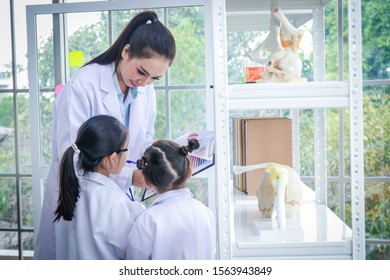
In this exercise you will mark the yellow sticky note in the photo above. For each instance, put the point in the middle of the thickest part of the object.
(76, 58)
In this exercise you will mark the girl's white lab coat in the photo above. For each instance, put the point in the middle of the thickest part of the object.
(91, 91)
(174, 227)
(103, 218)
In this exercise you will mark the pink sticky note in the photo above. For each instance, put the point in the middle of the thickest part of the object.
(58, 88)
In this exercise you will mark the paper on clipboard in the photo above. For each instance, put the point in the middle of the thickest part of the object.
(203, 157)
(200, 159)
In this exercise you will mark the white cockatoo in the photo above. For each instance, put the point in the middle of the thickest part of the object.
(279, 192)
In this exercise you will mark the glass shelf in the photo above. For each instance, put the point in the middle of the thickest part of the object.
(255, 15)
(288, 95)
(316, 234)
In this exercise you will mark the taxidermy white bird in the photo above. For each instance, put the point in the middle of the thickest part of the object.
(287, 31)
(271, 42)
(283, 40)
(279, 192)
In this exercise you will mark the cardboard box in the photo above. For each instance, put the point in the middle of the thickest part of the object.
(262, 140)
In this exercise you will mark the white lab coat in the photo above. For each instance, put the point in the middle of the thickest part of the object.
(174, 227)
(103, 218)
(91, 91)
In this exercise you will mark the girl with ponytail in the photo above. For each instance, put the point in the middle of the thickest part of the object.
(93, 213)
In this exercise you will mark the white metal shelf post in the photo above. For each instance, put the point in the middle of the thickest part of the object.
(221, 128)
(320, 155)
(356, 128)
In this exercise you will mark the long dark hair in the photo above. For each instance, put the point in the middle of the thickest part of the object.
(147, 37)
(165, 164)
(97, 137)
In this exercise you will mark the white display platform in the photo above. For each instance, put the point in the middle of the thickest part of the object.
(316, 234)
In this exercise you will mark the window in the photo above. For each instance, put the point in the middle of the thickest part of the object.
(64, 41)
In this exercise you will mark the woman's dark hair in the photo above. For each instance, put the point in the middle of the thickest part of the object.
(147, 37)
(97, 137)
(165, 164)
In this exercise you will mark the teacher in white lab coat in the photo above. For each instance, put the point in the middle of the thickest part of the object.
(119, 82)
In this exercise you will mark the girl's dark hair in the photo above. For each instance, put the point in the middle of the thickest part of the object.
(147, 37)
(165, 164)
(98, 137)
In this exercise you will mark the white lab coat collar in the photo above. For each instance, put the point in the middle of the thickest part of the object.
(141, 90)
(101, 180)
(180, 193)
(107, 85)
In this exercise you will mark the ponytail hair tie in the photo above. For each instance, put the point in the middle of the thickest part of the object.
(142, 163)
(150, 21)
(193, 144)
(75, 149)
(184, 150)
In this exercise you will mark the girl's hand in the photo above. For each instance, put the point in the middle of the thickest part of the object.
(138, 179)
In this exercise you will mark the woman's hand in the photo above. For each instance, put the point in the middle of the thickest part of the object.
(138, 179)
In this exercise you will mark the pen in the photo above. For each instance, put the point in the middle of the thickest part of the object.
(130, 193)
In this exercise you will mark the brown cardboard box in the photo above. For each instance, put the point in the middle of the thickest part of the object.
(263, 140)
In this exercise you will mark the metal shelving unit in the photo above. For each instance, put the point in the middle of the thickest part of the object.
(319, 233)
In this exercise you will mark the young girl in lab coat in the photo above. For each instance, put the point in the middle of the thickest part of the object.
(175, 225)
(93, 213)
